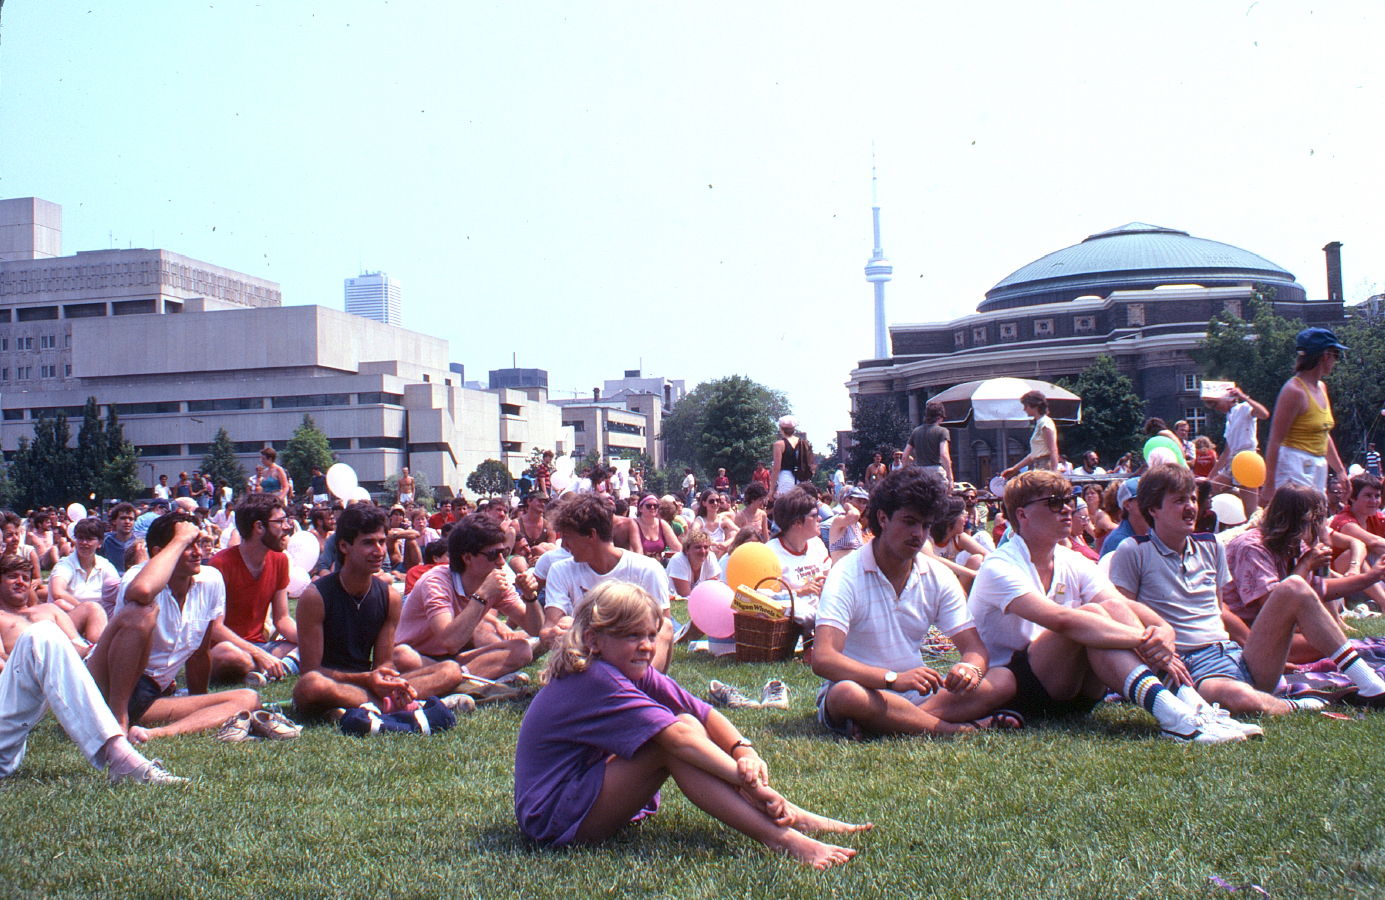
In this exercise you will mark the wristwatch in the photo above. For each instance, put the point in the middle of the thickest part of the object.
(891, 677)
(741, 743)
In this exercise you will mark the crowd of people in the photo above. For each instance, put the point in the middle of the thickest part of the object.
(1148, 583)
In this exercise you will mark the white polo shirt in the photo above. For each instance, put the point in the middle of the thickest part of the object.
(1008, 574)
(885, 629)
(179, 632)
(102, 585)
(570, 580)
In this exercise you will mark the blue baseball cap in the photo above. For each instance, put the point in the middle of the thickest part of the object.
(1316, 340)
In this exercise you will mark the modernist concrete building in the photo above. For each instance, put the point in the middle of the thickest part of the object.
(624, 417)
(1141, 294)
(182, 348)
(375, 295)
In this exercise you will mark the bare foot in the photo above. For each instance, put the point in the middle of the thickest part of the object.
(807, 821)
(137, 735)
(812, 852)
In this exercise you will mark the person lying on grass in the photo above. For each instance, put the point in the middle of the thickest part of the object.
(346, 623)
(608, 729)
(1180, 575)
(1066, 634)
(877, 606)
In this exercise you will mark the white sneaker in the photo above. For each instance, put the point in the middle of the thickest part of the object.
(1201, 728)
(1223, 718)
(152, 772)
(460, 704)
(774, 695)
(255, 679)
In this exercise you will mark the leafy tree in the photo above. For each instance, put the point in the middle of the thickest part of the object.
(1112, 413)
(878, 426)
(1357, 392)
(307, 448)
(220, 463)
(727, 423)
(492, 477)
(92, 453)
(120, 473)
(45, 471)
(590, 461)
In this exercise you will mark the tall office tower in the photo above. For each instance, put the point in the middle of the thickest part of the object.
(375, 295)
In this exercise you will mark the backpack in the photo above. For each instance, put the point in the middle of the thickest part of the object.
(804, 466)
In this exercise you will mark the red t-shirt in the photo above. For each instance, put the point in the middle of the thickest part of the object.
(437, 520)
(1374, 524)
(412, 576)
(247, 597)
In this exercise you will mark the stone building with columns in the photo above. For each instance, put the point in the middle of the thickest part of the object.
(1141, 294)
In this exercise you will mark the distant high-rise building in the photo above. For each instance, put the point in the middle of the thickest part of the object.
(375, 295)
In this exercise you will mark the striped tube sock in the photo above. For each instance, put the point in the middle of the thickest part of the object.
(1306, 704)
(1355, 668)
(1143, 688)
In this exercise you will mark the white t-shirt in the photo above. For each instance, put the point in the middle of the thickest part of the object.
(1008, 574)
(162, 492)
(548, 560)
(883, 629)
(570, 580)
(102, 585)
(681, 567)
(1240, 429)
(800, 568)
(179, 632)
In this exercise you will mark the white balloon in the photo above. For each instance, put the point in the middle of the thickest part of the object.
(298, 579)
(1228, 509)
(564, 466)
(358, 493)
(1162, 456)
(341, 480)
(76, 512)
(561, 480)
(303, 550)
(1355, 469)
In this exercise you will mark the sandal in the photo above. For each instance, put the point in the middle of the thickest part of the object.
(1000, 720)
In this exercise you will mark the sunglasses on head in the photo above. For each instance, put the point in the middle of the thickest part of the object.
(1056, 503)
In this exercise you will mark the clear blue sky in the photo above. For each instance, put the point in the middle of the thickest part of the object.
(686, 186)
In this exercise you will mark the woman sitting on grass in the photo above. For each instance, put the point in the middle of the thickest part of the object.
(608, 729)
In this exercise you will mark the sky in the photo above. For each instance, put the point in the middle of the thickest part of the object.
(685, 188)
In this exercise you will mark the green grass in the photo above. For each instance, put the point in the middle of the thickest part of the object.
(1091, 808)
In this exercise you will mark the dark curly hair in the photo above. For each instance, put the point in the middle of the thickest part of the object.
(912, 488)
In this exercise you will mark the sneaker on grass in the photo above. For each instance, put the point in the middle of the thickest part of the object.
(152, 772)
(255, 679)
(722, 694)
(235, 729)
(774, 695)
(460, 704)
(274, 726)
(1202, 728)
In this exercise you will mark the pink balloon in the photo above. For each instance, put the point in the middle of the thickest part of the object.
(709, 604)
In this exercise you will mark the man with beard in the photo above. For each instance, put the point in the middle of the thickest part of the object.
(256, 572)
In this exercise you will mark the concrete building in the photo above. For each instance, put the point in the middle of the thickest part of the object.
(1141, 294)
(182, 348)
(377, 296)
(624, 417)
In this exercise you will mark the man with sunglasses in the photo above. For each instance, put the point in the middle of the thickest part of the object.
(1065, 633)
(256, 572)
(453, 612)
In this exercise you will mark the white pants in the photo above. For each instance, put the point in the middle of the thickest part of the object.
(44, 670)
(1297, 467)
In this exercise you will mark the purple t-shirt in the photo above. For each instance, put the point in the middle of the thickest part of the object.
(571, 727)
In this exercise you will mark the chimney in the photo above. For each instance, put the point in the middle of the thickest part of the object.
(668, 395)
(596, 395)
(1334, 270)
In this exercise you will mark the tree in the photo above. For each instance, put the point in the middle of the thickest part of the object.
(1357, 392)
(44, 471)
(727, 423)
(878, 426)
(120, 471)
(307, 448)
(1112, 413)
(1256, 352)
(92, 453)
(492, 477)
(220, 463)
(423, 491)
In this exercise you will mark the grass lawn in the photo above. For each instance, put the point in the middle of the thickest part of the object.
(1094, 808)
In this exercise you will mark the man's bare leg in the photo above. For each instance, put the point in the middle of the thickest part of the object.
(230, 663)
(886, 712)
(1294, 605)
(120, 656)
(499, 659)
(198, 712)
(89, 618)
(315, 693)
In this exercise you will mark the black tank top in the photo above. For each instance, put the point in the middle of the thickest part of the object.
(349, 627)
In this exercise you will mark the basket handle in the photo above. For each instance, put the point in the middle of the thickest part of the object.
(793, 599)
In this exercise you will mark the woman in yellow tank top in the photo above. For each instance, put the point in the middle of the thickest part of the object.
(1300, 448)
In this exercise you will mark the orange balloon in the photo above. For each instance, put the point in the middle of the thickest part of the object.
(750, 564)
(1248, 468)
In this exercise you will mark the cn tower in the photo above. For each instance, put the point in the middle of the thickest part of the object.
(878, 271)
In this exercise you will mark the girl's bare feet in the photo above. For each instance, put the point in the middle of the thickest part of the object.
(807, 821)
(813, 852)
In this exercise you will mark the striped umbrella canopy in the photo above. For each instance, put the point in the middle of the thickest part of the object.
(995, 402)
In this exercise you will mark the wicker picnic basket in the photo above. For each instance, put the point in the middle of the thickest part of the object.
(760, 639)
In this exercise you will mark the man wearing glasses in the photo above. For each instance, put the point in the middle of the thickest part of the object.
(1065, 633)
(256, 572)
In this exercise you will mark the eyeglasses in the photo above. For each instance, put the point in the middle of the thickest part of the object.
(1057, 503)
(279, 521)
(492, 554)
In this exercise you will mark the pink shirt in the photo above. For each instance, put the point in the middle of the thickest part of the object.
(1255, 571)
(438, 591)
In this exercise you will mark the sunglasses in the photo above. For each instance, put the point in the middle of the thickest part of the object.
(492, 554)
(1057, 503)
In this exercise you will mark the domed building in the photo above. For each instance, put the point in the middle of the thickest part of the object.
(1141, 294)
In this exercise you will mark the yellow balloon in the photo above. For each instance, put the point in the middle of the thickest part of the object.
(750, 564)
(1248, 467)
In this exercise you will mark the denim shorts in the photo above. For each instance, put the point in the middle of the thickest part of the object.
(1220, 660)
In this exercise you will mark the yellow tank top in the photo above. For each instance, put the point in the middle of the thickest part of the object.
(1310, 430)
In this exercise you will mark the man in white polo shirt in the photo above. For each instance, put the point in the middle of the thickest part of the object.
(1067, 636)
(877, 606)
(162, 618)
(584, 523)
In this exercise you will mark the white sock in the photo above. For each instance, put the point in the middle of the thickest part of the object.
(1355, 668)
(1142, 687)
(120, 756)
(1189, 695)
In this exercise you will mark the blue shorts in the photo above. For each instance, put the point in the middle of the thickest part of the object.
(849, 728)
(1220, 660)
(146, 691)
(290, 659)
